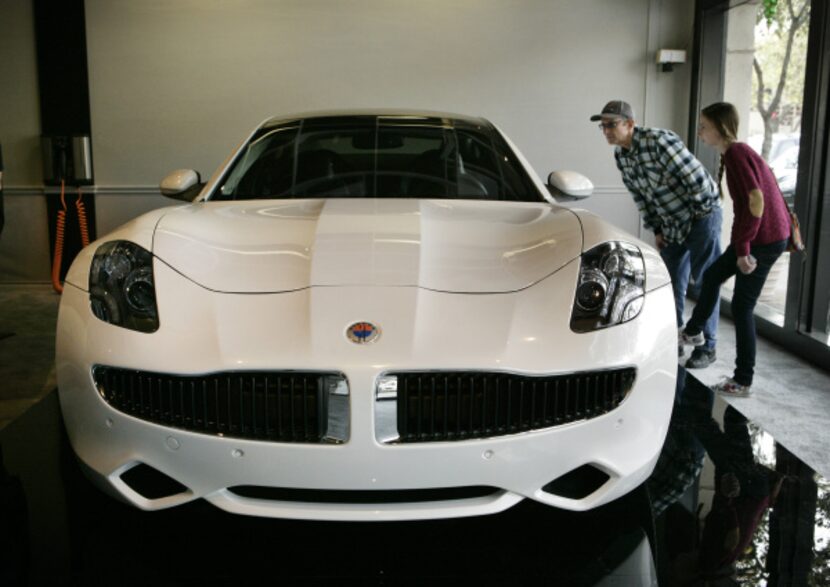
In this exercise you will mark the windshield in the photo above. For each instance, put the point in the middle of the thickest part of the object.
(377, 157)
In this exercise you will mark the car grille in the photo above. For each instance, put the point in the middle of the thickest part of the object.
(463, 405)
(278, 406)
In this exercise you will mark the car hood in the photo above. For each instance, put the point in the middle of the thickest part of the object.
(286, 245)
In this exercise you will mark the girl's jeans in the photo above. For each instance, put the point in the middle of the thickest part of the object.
(745, 296)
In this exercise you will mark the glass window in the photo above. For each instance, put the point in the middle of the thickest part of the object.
(765, 61)
(386, 157)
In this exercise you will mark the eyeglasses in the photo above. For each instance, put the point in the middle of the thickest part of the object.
(608, 125)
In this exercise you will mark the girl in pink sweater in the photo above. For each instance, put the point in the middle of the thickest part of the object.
(759, 236)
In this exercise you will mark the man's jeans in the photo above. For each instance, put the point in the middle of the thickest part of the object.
(691, 258)
(744, 297)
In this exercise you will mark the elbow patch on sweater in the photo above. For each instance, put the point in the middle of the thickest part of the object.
(756, 203)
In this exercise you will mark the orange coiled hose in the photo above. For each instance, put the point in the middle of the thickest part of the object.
(59, 236)
(82, 223)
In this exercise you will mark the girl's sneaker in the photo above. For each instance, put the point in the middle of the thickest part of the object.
(730, 387)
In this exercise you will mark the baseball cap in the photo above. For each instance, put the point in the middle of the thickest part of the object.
(618, 108)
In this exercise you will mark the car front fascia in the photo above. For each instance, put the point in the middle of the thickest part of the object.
(520, 338)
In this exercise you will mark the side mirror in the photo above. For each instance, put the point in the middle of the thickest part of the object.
(569, 186)
(182, 184)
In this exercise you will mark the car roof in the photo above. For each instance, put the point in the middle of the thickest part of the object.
(446, 118)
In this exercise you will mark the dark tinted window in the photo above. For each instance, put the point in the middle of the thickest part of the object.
(360, 157)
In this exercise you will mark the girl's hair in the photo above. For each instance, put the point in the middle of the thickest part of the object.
(724, 117)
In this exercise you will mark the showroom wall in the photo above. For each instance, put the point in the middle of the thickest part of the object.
(24, 242)
(178, 84)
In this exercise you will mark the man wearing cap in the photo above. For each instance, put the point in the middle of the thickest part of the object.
(678, 200)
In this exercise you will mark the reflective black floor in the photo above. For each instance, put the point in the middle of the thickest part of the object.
(762, 520)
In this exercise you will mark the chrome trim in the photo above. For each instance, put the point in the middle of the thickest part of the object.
(386, 409)
(387, 387)
(338, 428)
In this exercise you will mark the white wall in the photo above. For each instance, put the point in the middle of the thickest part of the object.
(178, 83)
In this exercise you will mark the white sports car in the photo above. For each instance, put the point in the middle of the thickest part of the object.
(368, 316)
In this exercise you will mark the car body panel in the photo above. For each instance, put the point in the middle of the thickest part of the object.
(284, 245)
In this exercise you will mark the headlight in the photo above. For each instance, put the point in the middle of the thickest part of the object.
(610, 287)
(121, 287)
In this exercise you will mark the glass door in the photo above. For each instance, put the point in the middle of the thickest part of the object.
(766, 55)
(771, 60)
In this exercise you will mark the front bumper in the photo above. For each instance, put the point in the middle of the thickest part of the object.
(523, 332)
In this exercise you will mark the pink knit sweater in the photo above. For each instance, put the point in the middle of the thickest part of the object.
(761, 215)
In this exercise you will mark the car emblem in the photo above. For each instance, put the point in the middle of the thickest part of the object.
(363, 332)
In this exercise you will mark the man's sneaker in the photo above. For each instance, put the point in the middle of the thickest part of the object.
(690, 339)
(701, 357)
(730, 387)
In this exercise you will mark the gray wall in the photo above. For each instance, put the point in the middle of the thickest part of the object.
(24, 243)
(178, 84)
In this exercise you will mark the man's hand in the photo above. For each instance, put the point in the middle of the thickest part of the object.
(660, 241)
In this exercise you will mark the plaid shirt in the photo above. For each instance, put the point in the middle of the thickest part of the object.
(670, 186)
(677, 468)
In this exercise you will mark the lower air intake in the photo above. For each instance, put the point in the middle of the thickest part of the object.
(151, 483)
(363, 497)
(577, 484)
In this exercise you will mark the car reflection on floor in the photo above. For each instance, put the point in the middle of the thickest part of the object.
(57, 529)
(719, 545)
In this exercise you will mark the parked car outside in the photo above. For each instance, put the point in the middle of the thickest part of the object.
(780, 143)
(368, 316)
(785, 168)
